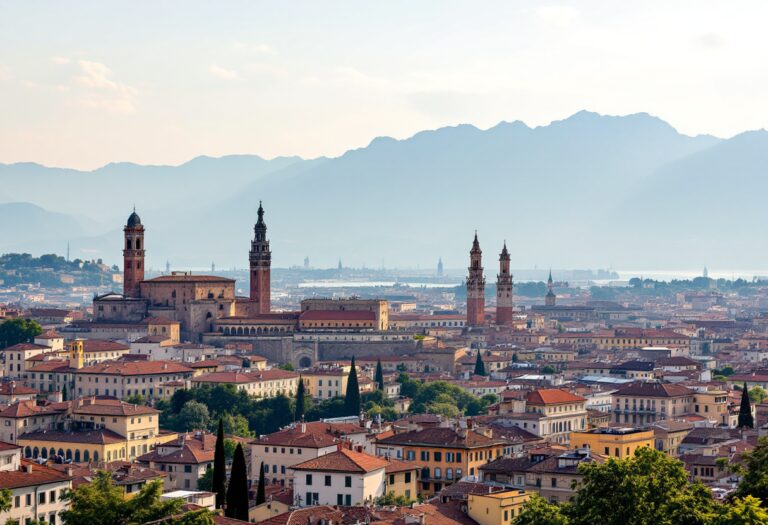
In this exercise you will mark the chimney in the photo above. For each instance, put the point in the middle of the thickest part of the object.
(28, 468)
(303, 427)
(70, 471)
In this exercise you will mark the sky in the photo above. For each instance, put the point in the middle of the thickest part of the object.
(85, 83)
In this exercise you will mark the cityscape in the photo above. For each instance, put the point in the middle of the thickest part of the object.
(558, 322)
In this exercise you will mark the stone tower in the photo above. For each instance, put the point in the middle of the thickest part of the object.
(475, 286)
(440, 267)
(504, 306)
(550, 298)
(133, 256)
(261, 262)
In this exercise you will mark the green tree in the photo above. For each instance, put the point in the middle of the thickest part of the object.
(301, 395)
(479, 365)
(237, 492)
(547, 370)
(196, 517)
(236, 425)
(15, 331)
(205, 482)
(219, 475)
(261, 495)
(136, 399)
(743, 511)
(193, 416)
(409, 387)
(101, 502)
(538, 511)
(390, 498)
(287, 366)
(746, 420)
(757, 394)
(379, 375)
(64, 393)
(6, 500)
(755, 480)
(647, 488)
(352, 399)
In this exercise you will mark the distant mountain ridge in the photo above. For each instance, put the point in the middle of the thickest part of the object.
(589, 190)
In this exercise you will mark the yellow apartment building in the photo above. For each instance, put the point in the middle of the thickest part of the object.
(615, 442)
(498, 508)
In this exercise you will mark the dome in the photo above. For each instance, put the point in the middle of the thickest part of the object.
(134, 219)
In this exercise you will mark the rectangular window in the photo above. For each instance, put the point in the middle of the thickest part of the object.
(309, 479)
(347, 481)
(391, 479)
(407, 477)
(339, 499)
(425, 455)
(348, 500)
(458, 457)
(438, 456)
(327, 481)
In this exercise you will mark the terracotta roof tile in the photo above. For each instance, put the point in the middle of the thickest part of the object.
(343, 460)
(552, 396)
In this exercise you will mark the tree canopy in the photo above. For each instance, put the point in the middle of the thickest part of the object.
(15, 331)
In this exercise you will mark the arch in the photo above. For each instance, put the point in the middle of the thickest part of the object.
(305, 362)
(258, 331)
(449, 473)
(95, 456)
(239, 330)
(253, 331)
(68, 455)
(86, 456)
(44, 453)
(77, 456)
(138, 243)
(35, 452)
(28, 452)
(221, 330)
(61, 452)
(52, 453)
(226, 330)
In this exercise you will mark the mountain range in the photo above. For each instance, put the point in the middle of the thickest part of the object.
(586, 191)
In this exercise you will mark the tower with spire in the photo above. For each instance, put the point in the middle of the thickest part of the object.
(260, 258)
(475, 286)
(504, 303)
(550, 298)
(133, 256)
(440, 267)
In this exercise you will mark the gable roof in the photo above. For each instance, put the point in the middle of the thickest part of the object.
(442, 437)
(653, 389)
(552, 396)
(343, 460)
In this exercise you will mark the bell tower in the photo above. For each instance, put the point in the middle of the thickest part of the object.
(261, 262)
(550, 299)
(133, 256)
(504, 305)
(475, 286)
(76, 354)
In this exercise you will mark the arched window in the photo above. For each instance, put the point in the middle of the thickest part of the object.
(44, 453)
(425, 473)
(438, 473)
(77, 456)
(226, 330)
(239, 330)
(258, 331)
(86, 456)
(449, 473)
(35, 452)
(69, 453)
(61, 452)
(95, 456)
(28, 452)
(221, 330)
(127, 243)
(138, 244)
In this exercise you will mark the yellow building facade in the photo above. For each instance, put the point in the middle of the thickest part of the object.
(498, 508)
(615, 442)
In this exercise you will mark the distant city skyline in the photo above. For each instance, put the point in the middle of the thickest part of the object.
(189, 79)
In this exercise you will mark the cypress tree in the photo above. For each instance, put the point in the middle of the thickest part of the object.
(64, 393)
(300, 395)
(219, 482)
(479, 365)
(352, 399)
(379, 375)
(745, 410)
(261, 495)
(237, 492)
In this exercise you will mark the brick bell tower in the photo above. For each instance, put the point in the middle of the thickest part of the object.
(133, 256)
(475, 287)
(504, 306)
(261, 261)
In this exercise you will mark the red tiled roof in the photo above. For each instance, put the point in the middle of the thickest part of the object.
(101, 436)
(110, 407)
(40, 475)
(191, 449)
(343, 460)
(442, 437)
(20, 347)
(653, 389)
(316, 435)
(29, 408)
(246, 377)
(552, 396)
(186, 278)
(135, 368)
(9, 389)
(307, 516)
(100, 345)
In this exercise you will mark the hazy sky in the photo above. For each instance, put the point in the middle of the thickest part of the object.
(87, 83)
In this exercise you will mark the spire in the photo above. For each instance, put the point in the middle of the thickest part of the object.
(549, 281)
(475, 244)
(504, 251)
(260, 222)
